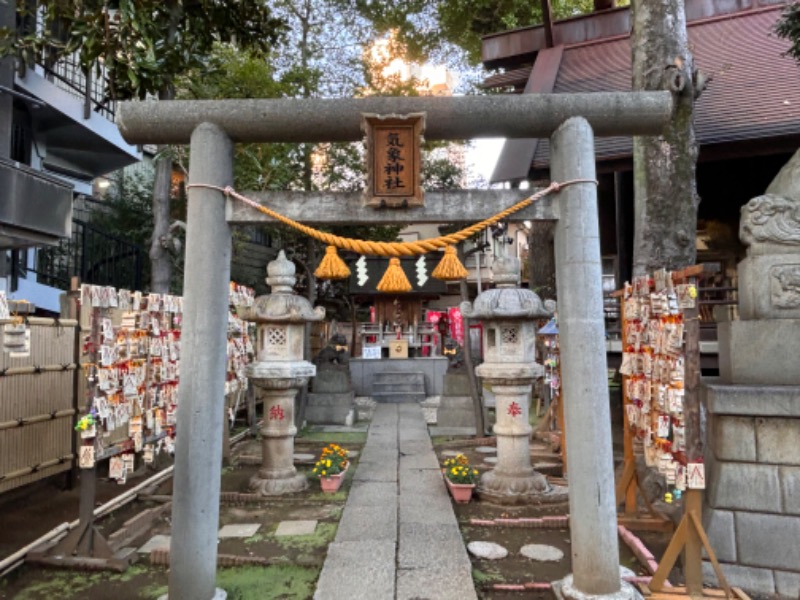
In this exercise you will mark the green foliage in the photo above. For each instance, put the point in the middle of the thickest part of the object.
(128, 209)
(144, 44)
(788, 27)
(427, 27)
(285, 582)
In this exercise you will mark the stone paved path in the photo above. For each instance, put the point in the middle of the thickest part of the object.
(398, 537)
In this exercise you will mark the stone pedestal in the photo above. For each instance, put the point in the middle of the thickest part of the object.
(455, 408)
(332, 401)
(277, 386)
(513, 480)
(752, 514)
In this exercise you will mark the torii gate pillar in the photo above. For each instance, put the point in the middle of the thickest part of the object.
(581, 329)
(201, 395)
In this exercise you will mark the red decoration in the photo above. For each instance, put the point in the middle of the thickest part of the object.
(514, 409)
(276, 413)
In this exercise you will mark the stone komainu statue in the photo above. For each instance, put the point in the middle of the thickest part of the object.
(334, 353)
(454, 354)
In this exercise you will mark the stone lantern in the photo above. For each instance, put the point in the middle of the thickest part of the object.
(277, 373)
(508, 315)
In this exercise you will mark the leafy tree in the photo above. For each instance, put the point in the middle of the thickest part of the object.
(144, 45)
(438, 27)
(788, 27)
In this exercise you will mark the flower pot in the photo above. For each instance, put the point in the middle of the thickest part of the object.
(332, 483)
(461, 492)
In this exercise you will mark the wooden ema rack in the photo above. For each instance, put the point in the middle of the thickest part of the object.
(689, 537)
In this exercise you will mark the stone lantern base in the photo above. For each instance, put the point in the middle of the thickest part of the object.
(266, 486)
(520, 488)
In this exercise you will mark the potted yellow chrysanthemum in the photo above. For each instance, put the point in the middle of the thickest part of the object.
(460, 478)
(331, 467)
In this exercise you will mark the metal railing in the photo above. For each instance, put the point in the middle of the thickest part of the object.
(95, 257)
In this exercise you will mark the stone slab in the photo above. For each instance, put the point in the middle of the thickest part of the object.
(752, 400)
(419, 461)
(422, 545)
(375, 471)
(239, 530)
(541, 552)
(373, 493)
(490, 460)
(753, 352)
(787, 584)
(734, 438)
(154, 543)
(441, 584)
(421, 482)
(487, 550)
(486, 450)
(750, 579)
(768, 541)
(744, 486)
(300, 457)
(360, 523)
(304, 527)
(790, 489)
(778, 441)
(719, 526)
(373, 562)
(430, 509)
(452, 431)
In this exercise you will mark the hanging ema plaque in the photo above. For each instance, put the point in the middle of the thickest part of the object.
(393, 159)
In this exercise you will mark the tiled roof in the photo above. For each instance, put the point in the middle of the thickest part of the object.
(754, 94)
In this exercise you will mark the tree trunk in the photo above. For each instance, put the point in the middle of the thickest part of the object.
(664, 166)
(542, 259)
(477, 404)
(160, 258)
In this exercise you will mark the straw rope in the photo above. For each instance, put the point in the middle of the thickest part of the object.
(393, 249)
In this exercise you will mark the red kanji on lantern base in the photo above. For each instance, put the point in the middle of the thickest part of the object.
(276, 413)
(514, 409)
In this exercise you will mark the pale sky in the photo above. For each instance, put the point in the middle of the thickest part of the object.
(482, 156)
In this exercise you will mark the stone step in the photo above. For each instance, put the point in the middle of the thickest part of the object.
(399, 377)
(398, 397)
(408, 386)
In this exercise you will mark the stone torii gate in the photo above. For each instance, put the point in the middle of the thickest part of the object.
(569, 120)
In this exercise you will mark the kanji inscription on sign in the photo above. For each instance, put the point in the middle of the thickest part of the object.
(393, 159)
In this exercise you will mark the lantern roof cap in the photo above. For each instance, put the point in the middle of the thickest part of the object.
(507, 300)
(283, 305)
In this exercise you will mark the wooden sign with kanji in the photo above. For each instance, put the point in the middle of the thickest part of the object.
(394, 159)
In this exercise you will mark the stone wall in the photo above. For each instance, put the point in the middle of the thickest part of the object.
(752, 515)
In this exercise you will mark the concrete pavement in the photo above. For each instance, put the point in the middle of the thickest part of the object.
(398, 537)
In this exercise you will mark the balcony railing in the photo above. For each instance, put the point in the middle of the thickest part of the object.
(93, 256)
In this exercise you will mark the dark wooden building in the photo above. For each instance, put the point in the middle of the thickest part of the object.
(747, 120)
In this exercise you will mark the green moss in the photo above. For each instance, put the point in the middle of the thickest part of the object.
(344, 438)
(286, 582)
(153, 591)
(61, 584)
(322, 536)
(485, 577)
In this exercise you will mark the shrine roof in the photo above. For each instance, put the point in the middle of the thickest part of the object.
(754, 94)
